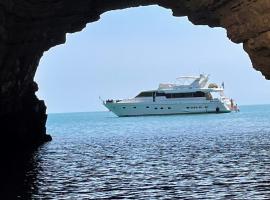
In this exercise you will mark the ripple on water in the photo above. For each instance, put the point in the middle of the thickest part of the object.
(98, 156)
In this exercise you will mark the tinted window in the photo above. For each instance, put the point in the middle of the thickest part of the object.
(179, 95)
(160, 94)
(168, 95)
(145, 94)
(199, 94)
(185, 95)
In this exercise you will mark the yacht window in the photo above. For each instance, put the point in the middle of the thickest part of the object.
(198, 94)
(155, 108)
(187, 107)
(124, 107)
(160, 94)
(185, 95)
(179, 95)
(145, 94)
(168, 95)
(147, 106)
(161, 108)
(169, 108)
(134, 107)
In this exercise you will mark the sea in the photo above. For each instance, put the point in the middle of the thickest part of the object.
(97, 155)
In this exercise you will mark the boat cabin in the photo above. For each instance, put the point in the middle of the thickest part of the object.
(174, 95)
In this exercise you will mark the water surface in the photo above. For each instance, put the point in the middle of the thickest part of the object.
(203, 156)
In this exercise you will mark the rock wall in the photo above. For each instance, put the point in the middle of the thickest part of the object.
(30, 27)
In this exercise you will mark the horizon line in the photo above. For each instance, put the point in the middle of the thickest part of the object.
(97, 111)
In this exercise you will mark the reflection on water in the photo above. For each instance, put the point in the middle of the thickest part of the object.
(99, 156)
(18, 176)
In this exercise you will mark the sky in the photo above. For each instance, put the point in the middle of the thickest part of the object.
(135, 49)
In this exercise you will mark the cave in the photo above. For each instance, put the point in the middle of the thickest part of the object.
(28, 28)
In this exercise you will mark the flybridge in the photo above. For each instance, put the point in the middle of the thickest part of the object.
(186, 82)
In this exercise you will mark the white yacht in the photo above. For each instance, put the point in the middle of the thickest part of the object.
(190, 94)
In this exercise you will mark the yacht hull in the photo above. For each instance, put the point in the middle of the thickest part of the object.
(144, 109)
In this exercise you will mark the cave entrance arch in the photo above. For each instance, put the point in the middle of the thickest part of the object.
(28, 28)
(127, 46)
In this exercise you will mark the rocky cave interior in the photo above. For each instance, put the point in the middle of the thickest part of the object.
(28, 28)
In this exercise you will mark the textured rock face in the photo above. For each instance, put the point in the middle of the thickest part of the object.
(30, 27)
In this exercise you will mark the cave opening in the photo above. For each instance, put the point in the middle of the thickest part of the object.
(112, 56)
(72, 76)
(40, 28)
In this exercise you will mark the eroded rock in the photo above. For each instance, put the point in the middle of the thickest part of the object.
(30, 27)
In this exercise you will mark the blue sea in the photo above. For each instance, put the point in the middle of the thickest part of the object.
(204, 156)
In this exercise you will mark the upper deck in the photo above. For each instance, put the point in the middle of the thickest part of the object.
(187, 84)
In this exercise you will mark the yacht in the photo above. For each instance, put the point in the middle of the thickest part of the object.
(188, 95)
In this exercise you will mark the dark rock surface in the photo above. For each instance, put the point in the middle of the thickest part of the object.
(30, 27)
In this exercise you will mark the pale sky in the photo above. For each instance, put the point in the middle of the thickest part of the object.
(131, 50)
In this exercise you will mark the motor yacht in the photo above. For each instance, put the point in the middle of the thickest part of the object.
(188, 95)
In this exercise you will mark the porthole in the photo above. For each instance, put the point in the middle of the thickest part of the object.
(147, 106)
(169, 108)
(187, 107)
(134, 107)
(124, 107)
(155, 108)
(161, 108)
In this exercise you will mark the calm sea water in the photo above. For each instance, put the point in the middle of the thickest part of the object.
(100, 156)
